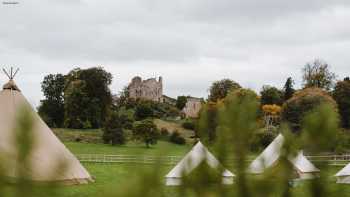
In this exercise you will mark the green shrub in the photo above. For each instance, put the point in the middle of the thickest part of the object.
(87, 125)
(176, 138)
(148, 109)
(113, 131)
(188, 124)
(77, 139)
(164, 132)
(143, 110)
(162, 110)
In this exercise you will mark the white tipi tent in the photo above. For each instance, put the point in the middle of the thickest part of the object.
(270, 156)
(47, 153)
(193, 159)
(343, 176)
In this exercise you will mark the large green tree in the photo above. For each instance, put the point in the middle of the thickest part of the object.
(271, 95)
(76, 106)
(146, 131)
(288, 89)
(115, 126)
(219, 89)
(208, 122)
(94, 84)
(342, 96)
(317, 74)
(52, 107)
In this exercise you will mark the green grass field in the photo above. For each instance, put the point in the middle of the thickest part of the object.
(132, 148)
(125, 177)
(110, 177)
(113, 177)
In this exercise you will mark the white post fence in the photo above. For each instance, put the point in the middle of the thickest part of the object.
(334, 160)
(137, 159)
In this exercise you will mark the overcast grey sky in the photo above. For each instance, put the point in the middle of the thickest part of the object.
(191, 43)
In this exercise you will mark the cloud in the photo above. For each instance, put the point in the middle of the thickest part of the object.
(189, 42)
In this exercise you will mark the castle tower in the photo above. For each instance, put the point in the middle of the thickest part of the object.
(149, 89)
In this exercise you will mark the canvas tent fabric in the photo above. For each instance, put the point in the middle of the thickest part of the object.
(11, 85)
(193, 159)
(48, 154)
(343, 176)
(270, 156)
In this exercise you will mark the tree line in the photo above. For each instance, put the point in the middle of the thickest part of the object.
(284, 105)
(316, 74)
(237, 123)
(82, 99)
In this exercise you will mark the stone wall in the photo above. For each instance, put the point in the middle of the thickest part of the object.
(192, 107)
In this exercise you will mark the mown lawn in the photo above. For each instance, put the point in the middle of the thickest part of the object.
(116, 177)
(132, 148)
(123, 177)
(108, 178)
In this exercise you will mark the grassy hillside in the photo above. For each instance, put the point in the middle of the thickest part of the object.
(172, 126)
(78, 135)
(90, 142)
(95, 135)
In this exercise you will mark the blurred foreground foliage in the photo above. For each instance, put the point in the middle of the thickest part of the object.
(237, 120)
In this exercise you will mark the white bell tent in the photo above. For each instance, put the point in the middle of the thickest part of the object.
(47, 152)
(270, 157)
(192, 160)
(343, 176)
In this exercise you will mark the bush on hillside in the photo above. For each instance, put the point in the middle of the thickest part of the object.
(176, 138)
(302, 102)
(162, 110)
(164, 132)
(143, 110)
(149, 109)
(188, 124)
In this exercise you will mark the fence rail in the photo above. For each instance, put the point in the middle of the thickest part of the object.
(137, 159)
(334, 160)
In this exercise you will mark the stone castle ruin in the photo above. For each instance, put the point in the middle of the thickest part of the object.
(149, 89)
(152, 89)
